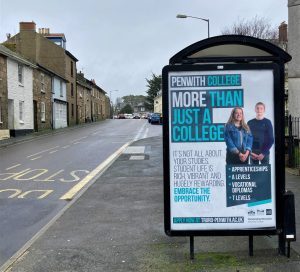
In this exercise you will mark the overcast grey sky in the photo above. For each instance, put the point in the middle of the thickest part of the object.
(120, 43)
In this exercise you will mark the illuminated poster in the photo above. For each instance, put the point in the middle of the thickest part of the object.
(221, 149)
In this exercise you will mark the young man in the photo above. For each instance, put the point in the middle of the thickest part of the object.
(263, 137)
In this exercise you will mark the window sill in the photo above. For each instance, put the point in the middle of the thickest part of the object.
(21, 122)
(42, 91)
(21, 85)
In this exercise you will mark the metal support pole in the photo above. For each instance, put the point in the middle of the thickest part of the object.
(192, 255)
(203, 19)
(208, 27)
(251, 245)
(288, 249)
(281, 244)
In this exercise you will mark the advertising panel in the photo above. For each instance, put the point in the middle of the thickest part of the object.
(221, 148)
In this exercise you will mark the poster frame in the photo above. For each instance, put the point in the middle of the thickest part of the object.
(279, 147)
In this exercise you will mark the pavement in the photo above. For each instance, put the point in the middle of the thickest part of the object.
(43, 133)
(117, 225)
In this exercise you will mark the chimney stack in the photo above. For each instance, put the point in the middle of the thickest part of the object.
(27, 26)
(44, 31)
(283, 32)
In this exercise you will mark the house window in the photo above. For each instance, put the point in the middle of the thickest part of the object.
(20, 73)
(72, 89)
(43, 112)
(21, 111)
(61, 89)
(72, 71)
(72, 110)
(42, 83)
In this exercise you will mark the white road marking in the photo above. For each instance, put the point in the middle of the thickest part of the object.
(51, 152)
(49, 178)
(134, 150)
(137, 158)
(139, 132)
(77, 140)
(42, 151)
(146, 133)
(99, 169)
(33, 159)
(14, 166)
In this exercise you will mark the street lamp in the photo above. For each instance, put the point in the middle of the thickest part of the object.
(183, 16)
(111, 103)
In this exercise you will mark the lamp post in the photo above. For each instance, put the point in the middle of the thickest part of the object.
(111, 103)
(183, 16)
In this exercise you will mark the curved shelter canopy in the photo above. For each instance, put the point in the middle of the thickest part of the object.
(231, 48)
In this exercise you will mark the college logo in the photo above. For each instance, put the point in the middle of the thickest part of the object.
(251, 213)
(268, 211)
(260, 212)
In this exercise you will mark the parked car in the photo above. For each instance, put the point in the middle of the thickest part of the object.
(136, 116)
(121, 116)
(128, 115)
(155, 118)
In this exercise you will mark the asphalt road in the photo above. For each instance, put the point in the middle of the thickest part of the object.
(38, 177)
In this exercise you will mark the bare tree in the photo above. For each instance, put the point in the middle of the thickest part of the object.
(257, 27)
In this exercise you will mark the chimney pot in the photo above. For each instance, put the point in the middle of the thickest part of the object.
(283, 32)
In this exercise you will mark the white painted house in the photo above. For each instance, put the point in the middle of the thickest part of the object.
(20, 93)
(59, 103)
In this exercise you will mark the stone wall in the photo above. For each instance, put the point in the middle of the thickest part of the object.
(42, 95)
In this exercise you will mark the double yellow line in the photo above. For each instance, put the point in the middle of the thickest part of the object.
(95, 173)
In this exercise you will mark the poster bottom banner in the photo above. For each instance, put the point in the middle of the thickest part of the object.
(224, 219)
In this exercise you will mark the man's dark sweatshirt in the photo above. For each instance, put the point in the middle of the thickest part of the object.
(263, 138)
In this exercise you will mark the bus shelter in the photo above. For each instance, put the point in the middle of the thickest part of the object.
(223, 140)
